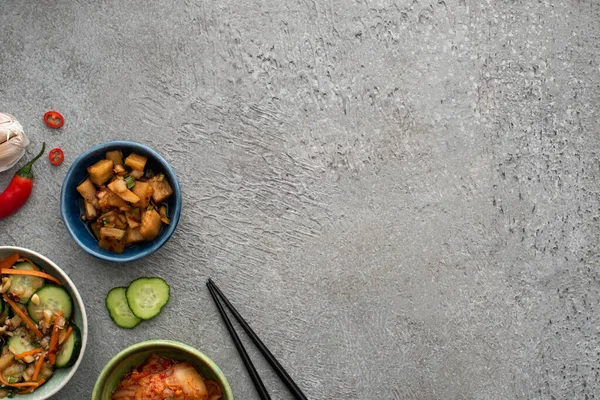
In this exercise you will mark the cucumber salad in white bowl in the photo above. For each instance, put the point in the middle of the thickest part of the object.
(43, 325)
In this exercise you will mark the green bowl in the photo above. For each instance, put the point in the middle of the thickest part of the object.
(131, 357)
(62, 375)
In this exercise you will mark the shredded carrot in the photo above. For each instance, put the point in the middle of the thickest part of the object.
(66, 335)
(52, 350)
(23, 316)
(9, 261)
(22, 384)
(38, 367)
(32, 263)
(10, 271)
(28, 353)
(28, 390)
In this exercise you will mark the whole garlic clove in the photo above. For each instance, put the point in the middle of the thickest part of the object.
(12, 141)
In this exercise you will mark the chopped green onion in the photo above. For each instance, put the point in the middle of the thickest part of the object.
(161, 177)
(130, 181)
(135, 210)
(150, 208)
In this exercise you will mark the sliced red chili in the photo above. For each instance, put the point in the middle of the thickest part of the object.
(56, 156)
(54, 119)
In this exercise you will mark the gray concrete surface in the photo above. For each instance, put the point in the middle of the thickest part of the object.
(402, 197)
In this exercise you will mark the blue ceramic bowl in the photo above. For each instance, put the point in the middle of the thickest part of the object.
(70, 201)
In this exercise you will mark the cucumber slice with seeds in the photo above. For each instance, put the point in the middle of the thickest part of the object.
(20, 341)
(119, 310)
(147, 296)
(23, 286)
(53, 298)
(69, 351)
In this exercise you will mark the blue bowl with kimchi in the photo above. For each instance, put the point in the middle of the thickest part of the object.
(163, 369)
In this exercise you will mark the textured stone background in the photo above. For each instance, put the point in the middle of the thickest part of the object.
(402, 197)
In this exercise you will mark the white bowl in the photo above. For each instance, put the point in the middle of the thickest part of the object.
(61, 375)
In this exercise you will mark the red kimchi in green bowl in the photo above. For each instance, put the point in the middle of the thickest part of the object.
(160, 378)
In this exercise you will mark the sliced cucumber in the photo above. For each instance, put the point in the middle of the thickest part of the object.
(119, 310)
(8, 311)
(53, 298)
(23, 286)
(20, 342)
(147, 296)
(69, 351)
(4, 313)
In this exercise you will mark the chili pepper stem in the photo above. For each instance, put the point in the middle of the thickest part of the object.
(25, 172)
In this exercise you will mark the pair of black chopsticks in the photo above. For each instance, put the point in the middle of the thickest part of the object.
(258, 383)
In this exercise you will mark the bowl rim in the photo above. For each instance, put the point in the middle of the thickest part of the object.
(84, 329)
(148, 344)
(156, 244)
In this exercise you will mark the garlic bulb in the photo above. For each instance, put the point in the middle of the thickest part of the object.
(12, 141)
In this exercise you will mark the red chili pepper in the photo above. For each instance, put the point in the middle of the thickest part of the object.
(56, 156)
(19, 188)
(54, 119)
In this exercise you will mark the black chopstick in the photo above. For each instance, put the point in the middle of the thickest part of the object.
(258, 383)
(287, 379)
